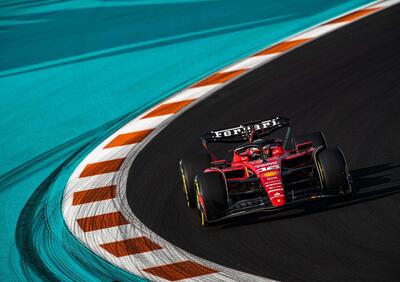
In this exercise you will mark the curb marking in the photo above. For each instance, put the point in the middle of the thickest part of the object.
(131, 246)
(94, 195)
(102, 167)
(180, 270)
(101, 221)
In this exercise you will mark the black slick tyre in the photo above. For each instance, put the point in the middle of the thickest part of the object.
(211, 196)
(189, 167)
(333, 172)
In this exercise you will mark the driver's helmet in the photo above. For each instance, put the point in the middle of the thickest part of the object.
(273, 150)
(253, 152)
(267, 150)
(277, 151)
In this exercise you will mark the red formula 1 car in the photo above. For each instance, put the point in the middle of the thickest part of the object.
(264, 172)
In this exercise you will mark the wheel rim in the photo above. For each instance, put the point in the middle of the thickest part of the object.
(202, 216)
(321, 174)
(199, 207)
(185, 188)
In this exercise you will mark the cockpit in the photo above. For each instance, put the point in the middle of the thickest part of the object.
(259, 149)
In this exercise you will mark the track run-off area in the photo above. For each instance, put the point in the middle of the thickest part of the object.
(345, 84)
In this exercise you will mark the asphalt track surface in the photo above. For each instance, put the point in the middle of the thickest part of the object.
(346, 84)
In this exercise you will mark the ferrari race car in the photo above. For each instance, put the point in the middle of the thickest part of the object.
(262, 172)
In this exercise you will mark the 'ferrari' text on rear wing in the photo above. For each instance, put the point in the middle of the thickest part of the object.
(242, 132)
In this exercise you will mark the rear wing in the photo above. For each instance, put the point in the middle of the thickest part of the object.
(246, 131)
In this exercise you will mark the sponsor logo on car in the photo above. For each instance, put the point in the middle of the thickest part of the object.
(270, 173)
(259, 170)
(243, 129)
(273, 178)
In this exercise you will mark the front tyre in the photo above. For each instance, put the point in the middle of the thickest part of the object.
(333, 172)
(211, 197)
(189, 167)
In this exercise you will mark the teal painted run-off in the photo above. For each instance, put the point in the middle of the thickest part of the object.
(73, 71)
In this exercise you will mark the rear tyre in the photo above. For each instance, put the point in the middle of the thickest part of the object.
(189, 167)
(211, 196)
(316, 138)
(333, 172)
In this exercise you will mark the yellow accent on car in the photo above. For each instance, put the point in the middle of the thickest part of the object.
(202, 219)
(185, 189)
(202, 215)
(321, 172)
(271, 173)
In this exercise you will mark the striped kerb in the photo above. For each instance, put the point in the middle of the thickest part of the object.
(128, 138)
(180, 270)
(101, 167)
(101, 221)
(131, 246)
(168, 108)
(282, 47)
(355, 15)
(219, 77)
(94, 195)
